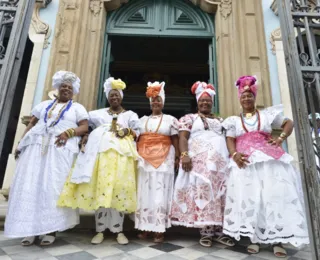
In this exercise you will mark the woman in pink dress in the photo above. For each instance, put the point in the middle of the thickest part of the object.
(198, 200)
(264, 200)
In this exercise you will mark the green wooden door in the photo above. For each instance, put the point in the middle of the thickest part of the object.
(154, 18)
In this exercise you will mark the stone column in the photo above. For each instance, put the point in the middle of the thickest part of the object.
(39, 34)
(241, 50)
(78, 46)
(277, 49)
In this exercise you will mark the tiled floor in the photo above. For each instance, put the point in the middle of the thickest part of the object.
(76, 245)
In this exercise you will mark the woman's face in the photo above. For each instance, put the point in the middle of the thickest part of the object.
(247, 101)
(205, 105)
(156, 104)
(114, 98)
(65, 92)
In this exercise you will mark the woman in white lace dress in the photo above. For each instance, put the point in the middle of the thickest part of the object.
(199, 190)
(264, 200)
(46, 153)
(158, 148)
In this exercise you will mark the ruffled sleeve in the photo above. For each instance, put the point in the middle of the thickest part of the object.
(134, 123)
(229, 125)
(185, 123)
(36, 111)
(174, 129)
(81, 113)
(275, 115)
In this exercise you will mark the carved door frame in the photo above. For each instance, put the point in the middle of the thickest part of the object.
(168, 18)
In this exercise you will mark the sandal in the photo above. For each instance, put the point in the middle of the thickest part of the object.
(48, 240)
(253, 249)
(158, 238)
(206, 241)
(144, 235)
(279, 251)
(224, 240)
(28, 241)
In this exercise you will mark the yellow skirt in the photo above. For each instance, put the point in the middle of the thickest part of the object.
(112, 185)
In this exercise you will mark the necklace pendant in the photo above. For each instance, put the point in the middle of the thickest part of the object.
(248, 115)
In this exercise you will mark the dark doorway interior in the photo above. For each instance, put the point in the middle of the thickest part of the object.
(177, 61)
(15, 109)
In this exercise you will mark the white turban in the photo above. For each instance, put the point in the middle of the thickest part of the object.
(116, 84)
(199, 88)
(68, 77)
(156, 89)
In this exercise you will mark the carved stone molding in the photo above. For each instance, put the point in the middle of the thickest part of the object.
(38, 25)
(111, 5)
(225, 8)
(275, 36)
(209, 6)
(96, 6)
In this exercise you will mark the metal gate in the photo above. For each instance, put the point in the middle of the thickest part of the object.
(15, 18)
(300, 28)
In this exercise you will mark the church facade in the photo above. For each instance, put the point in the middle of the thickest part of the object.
(177, 41)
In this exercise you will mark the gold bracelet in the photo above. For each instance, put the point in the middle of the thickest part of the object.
(233, 155)
(70, 132)
(283, 135)
(184, 154)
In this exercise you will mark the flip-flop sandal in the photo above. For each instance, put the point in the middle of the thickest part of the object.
(279, 251)
(28, 241)
(224, 240)
(253, 249)
(206, 241)
(47, 240)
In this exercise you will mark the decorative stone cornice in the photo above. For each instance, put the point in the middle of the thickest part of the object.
(38, 25)
(275, 36)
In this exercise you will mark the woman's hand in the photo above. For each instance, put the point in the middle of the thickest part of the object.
(276, 142)
(16, 154)
(241, 160)
(61, 140)
(186, 163)
(121, 135)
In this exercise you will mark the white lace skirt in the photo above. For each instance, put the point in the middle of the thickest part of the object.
(35, 190)
(155, 191)
(265, 203)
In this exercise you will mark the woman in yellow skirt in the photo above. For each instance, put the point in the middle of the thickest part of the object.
(104, 176)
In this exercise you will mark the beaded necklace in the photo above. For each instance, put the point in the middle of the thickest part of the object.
(204, 120)
(50, 109)
(243, 122)
(146, 127)
(114, 118)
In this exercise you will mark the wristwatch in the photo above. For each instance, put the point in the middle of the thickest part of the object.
(121, 133)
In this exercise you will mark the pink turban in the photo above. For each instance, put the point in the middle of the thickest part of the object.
(247, 84)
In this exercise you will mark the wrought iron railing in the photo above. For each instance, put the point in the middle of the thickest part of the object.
(15, 18)
(8, 10)
(300, 28)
